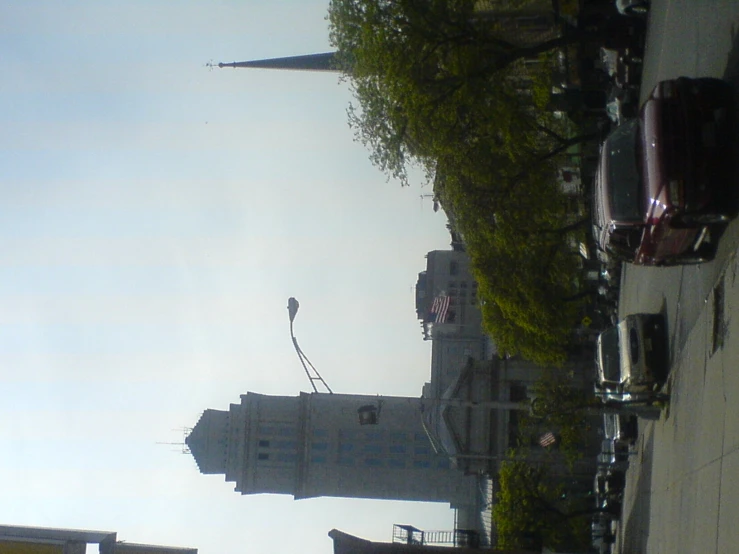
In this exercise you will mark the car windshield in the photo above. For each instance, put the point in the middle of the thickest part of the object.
(609, 426)
(610, 360)
(623, 172)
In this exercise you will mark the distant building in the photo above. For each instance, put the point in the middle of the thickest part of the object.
(16, 539)
(314, 445)
(345, 543)
(476, 419)
(472, 390)
(446, 297)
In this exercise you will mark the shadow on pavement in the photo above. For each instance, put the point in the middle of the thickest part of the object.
(731, 75)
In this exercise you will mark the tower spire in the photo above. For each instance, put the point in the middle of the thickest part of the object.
(325, 61)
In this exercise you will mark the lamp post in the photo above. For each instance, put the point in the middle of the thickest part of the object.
(369, 413)
(311, 372)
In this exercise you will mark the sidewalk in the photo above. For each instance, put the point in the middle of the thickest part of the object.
(682, 492)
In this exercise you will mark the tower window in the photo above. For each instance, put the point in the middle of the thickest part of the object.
(262, 456)
(264, 444)
(320, 446)
(397, 448)
(421, 463)
(372, 462)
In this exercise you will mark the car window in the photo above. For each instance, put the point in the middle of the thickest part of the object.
(623, 173)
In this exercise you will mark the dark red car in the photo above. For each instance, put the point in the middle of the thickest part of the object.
(663, 179)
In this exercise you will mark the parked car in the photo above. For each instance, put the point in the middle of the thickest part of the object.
(632, 357)
(660, 192)
(602, 535)
(612, 506)
(608, 480)
(613, 393)
(613, 454)
(633, 8)
(622, 104)
(621, 428)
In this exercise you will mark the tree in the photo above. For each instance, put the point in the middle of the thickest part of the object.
(444, 87)
(430, 73)
(535, 508)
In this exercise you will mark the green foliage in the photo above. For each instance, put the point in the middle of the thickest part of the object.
(438, 88)
(524, 269)
(565, 409)
(534, 509)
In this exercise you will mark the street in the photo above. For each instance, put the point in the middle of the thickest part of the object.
(682, 492)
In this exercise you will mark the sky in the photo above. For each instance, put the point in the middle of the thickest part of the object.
(155, 217)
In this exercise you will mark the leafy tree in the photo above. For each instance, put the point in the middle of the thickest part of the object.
(429, 74)
(535, 508)
(566, 408)
(442, 86)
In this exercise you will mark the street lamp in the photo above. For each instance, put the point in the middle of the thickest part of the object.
(369, 414)
(292, 309)
(312, 372)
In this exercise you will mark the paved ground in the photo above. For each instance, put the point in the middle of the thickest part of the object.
(683, 485)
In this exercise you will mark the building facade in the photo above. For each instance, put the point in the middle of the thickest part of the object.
(16, 539)
(314, 445)
(448, 278)
(476, 397)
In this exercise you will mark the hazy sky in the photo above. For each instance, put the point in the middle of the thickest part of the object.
(154, 219)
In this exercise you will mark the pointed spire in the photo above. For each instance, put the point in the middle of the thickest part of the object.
(311, 62)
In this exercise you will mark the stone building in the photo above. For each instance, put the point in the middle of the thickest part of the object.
(16, 539)
(316, 445)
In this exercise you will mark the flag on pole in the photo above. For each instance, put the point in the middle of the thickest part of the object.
(440, 309)
(547, 439)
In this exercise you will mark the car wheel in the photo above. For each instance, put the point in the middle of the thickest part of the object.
(637, 11)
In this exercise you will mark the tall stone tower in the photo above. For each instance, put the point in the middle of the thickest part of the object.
(313, 445)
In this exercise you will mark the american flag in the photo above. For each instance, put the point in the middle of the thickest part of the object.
(547, 439)
(440, 308)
